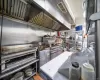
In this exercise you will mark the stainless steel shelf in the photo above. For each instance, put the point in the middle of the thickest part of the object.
(30, 76)
(18, 69)
(15, 55)
(18, 63)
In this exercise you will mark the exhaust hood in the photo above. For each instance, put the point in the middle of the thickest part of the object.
(57, 9)
(14, 8)
(44, 20)
(29, 11)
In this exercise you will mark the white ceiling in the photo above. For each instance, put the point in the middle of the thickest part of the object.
(76, 10)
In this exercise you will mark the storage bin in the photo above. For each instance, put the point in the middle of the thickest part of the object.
(78, 28)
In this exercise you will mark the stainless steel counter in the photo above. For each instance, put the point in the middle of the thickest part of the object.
(51, 68)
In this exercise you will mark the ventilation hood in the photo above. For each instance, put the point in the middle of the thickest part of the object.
(58, 10)
(13, 8)
(44, 20)
(29, 11)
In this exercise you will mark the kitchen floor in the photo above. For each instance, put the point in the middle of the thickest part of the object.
(37, 77)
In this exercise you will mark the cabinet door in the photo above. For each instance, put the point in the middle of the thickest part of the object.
(47, 53)
(54, 55)
(42, 58)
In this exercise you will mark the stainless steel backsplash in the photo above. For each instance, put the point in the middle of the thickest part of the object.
(19, 33)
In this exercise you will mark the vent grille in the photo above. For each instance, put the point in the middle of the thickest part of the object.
(43, 20)
(14, 8)
(62, 7)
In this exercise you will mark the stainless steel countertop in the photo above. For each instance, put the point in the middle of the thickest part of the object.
(51, 68)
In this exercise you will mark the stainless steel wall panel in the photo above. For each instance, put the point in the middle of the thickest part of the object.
(19, 33)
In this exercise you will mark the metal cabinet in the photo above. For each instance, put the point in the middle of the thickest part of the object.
(49, 53)
(44, 56)
(55, 51)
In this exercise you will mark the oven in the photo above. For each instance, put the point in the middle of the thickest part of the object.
(16, 57)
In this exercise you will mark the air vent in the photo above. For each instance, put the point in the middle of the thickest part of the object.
(42, 20)
(14, 8)
(62, 7)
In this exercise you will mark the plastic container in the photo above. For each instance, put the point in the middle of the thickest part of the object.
(74, 71)
(78, 28)
(87, 72)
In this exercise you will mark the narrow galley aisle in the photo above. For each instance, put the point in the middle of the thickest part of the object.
(49, 39)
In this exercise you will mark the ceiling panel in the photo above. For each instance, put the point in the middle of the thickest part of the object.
(77, 10)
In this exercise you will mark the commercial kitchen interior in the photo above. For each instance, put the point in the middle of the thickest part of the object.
(49, 40)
